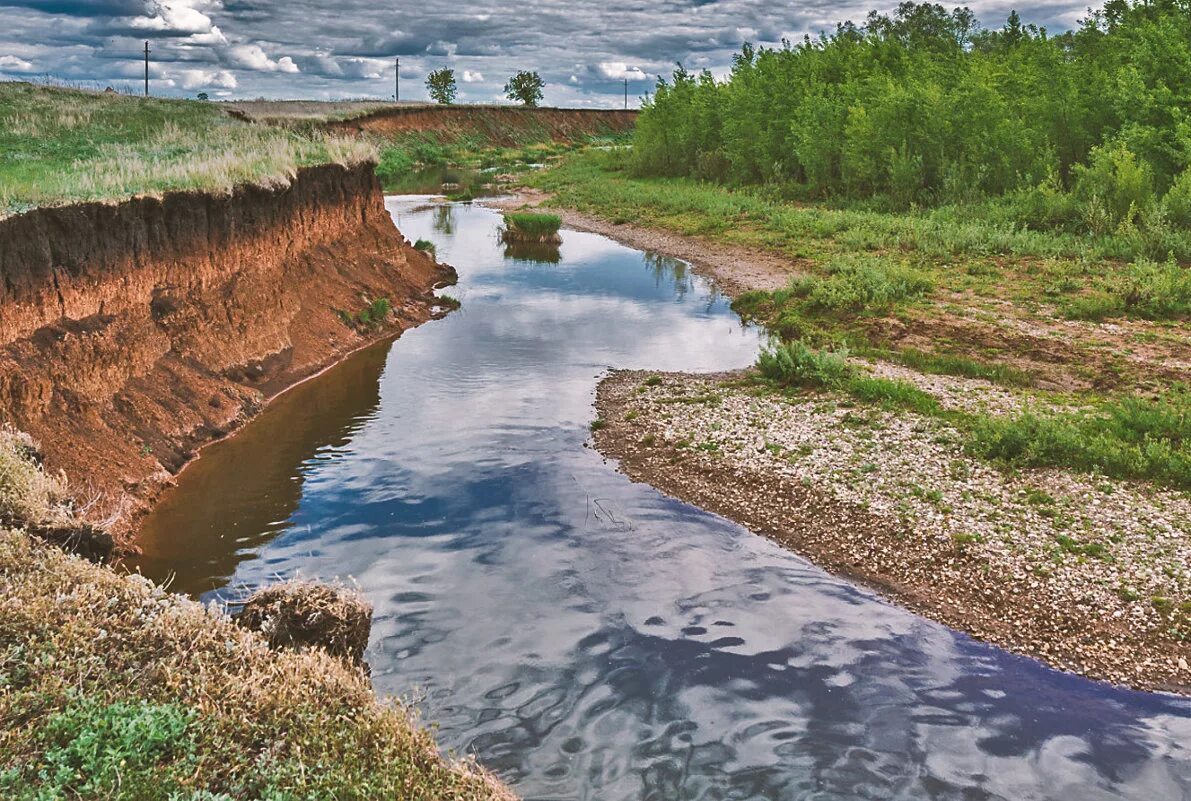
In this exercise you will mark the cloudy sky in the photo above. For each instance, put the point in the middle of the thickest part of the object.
(315, 49)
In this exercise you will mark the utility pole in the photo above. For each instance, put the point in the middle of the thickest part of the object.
(626, 94)
(397, 83)
(146, 69)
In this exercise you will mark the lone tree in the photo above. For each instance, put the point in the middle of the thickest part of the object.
(441, 85)
(525, 87)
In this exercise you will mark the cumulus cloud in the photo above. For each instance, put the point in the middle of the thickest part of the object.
(582, 48)
(254, 57)
(206, 79)
(618, 71)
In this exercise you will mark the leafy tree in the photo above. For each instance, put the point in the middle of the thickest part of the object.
(525, 87)
(203, 96)
(441, 85)
(925, 106)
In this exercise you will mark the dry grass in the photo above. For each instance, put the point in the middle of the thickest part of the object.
(28, 494)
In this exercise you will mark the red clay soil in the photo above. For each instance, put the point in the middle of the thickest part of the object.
(132, 334)
(501, 125)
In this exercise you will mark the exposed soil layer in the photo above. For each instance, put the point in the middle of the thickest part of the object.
(873, 497)
(133, 333)
(499, 125)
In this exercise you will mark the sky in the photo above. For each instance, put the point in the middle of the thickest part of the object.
(583, 49)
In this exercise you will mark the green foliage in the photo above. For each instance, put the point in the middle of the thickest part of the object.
(793, 364)
(525, 87)
(1178, 200)
(1114, 187)
(120, 750)
(1127, 438)
(925, 107)
(441, 85)
(425, 246)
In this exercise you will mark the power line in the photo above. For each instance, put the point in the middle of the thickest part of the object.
(146, 69)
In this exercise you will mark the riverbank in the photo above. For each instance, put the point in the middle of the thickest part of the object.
(907, 475)
(1086, 573)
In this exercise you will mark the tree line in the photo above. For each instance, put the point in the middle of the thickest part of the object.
(525, 87)
(1090, 129)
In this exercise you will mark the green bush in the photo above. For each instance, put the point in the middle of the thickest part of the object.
(425, 246)
(1114, 187)
(1178, 200)
(793, 364)
(1147, 289)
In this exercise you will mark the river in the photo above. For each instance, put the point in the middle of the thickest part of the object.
(586, 637)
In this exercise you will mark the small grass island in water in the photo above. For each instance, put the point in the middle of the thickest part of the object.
(531, 227)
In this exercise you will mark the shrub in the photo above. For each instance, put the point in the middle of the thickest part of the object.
(425, 246)
(1114, 186)
(1155, 291)
(1178, 200)
(794, 364)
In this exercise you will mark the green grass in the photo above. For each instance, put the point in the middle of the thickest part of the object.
(1147, 289)
(1127, 437)
(425, 246)
(1130, 437)
(599, 182)
(531, 225)
(61, 146)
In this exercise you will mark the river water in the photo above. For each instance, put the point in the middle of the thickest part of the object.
(589, 638)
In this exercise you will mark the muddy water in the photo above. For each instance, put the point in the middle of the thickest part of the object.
(588, 638)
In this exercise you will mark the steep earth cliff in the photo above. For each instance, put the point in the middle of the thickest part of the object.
(133, 333)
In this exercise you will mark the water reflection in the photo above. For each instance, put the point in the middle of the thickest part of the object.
(533, 252)
(589, 638)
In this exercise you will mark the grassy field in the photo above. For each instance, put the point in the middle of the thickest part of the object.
(61, 146)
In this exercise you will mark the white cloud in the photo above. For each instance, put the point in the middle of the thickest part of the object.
(190, 17)
(471, 76)
(253, 57)
(14, 64)
(203, 79)
(618, 70)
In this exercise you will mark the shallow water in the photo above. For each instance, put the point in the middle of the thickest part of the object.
(584, 636)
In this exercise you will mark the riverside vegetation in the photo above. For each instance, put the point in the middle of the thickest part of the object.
(983, 242)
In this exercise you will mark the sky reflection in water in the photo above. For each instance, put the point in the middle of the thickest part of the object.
(586, 637)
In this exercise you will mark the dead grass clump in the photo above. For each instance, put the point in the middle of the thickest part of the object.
(299, 615)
